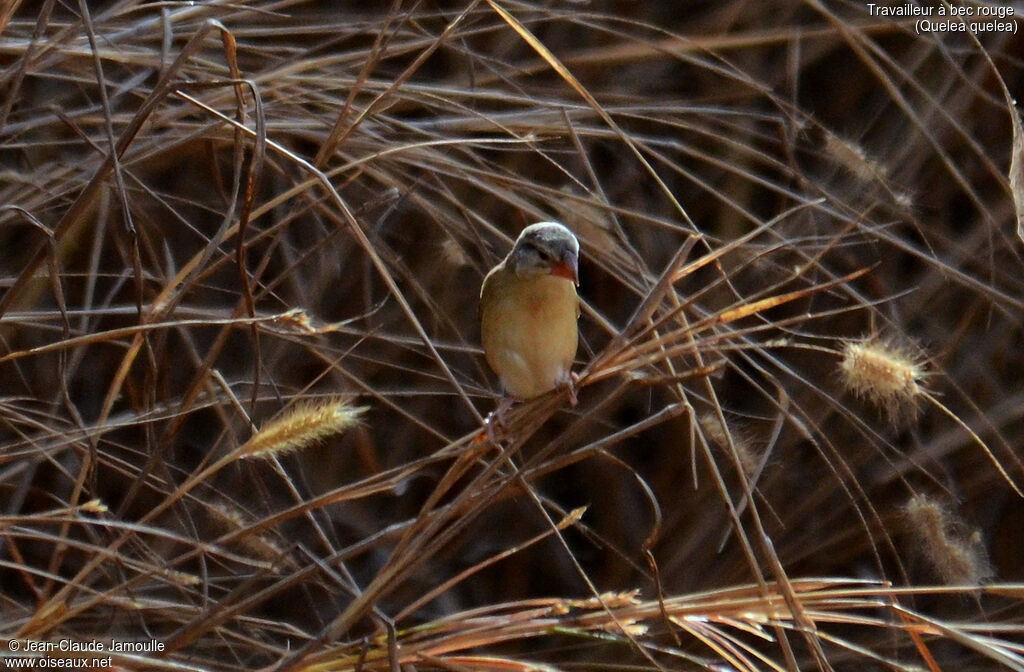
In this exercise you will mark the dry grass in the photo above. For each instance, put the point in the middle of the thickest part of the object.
(220, 218)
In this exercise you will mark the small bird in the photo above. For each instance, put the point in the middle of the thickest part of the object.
(529, 309)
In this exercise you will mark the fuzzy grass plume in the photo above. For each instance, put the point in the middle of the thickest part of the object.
(300, 426)
(887, 374)
(944, 543)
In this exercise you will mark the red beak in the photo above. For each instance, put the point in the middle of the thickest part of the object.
(568, 268)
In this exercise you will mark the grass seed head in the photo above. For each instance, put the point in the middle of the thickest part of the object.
(227, 519)
(453, 253)
(302, 426)
(724, 436)
(956, 556)
(885, 373)
(854, 158)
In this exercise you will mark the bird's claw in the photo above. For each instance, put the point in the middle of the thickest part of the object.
(494, 423)
(570, 386)
(495, 420)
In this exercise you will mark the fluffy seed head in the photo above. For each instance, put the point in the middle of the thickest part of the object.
(301, 426)
(853, 158)
(453, 253)
(720, 435)
(226, 518)
(956, 557)
(885, 373)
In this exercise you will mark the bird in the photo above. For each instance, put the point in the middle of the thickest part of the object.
(529, 310)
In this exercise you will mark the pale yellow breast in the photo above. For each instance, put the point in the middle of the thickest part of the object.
(528, 328)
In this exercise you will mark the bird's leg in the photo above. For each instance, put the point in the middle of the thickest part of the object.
(496, 418)
(569, 384)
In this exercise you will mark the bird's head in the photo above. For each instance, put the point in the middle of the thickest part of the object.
(546, 248)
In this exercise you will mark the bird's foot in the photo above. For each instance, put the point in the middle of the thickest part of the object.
(570, 386)
(495, 421)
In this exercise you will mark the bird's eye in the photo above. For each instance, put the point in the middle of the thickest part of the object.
(540, 252)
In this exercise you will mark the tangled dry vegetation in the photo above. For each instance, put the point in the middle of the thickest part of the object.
(241, 392)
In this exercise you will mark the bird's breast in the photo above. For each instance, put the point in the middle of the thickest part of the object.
(529, 331)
